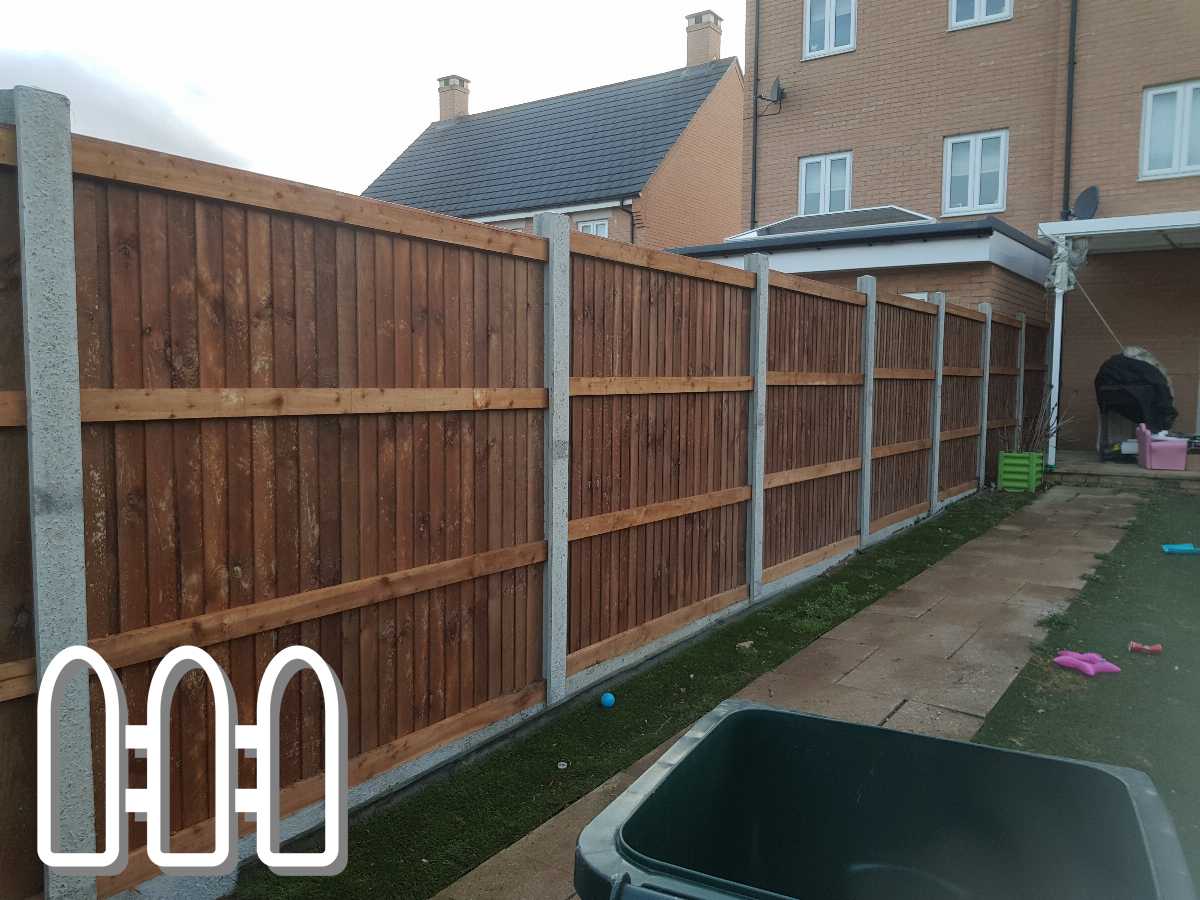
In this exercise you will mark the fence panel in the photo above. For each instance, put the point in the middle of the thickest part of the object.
(284, 412)
(814, 378)
(1036, 358)
(1002, 389)
(312, 419)
(18, 858)
(904, 378)
(961, 380)
(659, 430)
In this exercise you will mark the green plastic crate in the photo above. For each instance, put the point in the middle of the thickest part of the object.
(1020, 471)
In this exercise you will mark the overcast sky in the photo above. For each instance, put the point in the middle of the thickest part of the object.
(325, 93)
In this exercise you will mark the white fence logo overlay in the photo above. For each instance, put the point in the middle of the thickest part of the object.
(152, 740)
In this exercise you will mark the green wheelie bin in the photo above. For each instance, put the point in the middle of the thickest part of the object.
(765, 803)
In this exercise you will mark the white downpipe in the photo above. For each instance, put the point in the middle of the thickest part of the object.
(1055, 374)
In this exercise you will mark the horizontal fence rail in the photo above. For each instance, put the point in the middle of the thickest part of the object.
(313, 419)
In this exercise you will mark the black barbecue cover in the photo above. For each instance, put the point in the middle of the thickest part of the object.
(1136, 390)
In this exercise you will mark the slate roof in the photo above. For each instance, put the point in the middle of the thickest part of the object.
(593, 145)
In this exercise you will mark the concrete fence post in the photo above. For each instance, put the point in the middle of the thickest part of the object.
(1019, 428)
(46, 216)
(759, 264)
(935, 413)
(866, 285)
(986, 366)
(556, 448)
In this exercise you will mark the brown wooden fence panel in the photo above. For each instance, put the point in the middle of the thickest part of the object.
(312, 419)
(1036, 383)
(904, 379)
(659, 425)
(1002, 392)
(963, 374)
(814, 365)
(18, 858)
(187, 518)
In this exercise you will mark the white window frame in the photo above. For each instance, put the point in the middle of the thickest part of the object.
(829, 49)
(973, 207)
(594, 226)
(825, 159)
(1179, 168)
(981, 17)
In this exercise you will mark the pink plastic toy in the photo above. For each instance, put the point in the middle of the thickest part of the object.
(1152, 649)
(1160, 453)
(1089, 664)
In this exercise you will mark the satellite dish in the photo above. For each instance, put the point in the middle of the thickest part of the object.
(776, 93)
(1086, 203)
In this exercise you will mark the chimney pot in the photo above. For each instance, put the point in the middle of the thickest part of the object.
(703, 37)
(453, 91)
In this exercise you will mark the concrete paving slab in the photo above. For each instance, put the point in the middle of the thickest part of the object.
(961, 686)
(826, 659)
(900, 634)
(998, 648)
(1019, 618)
(967, 581)
(921, 718)
(835, 701)
(907, 602)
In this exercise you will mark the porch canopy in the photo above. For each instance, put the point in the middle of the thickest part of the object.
(1076, 239)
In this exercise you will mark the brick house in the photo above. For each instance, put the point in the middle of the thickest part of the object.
(935, 120)
(655, 161)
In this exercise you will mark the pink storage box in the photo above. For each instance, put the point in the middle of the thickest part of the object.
(1161, 453)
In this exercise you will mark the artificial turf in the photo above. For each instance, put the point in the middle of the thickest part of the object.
(1148, 716)
(433, 836)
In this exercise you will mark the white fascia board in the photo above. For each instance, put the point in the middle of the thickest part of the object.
(805, 260)
(1120, 224)
(995, 248)
(1018, 258)
(530, 213)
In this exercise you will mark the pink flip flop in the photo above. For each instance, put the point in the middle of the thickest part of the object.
(1089, 664)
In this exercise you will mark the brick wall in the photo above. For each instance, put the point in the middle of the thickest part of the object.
(1149, 299)
(620, 222)
(694, 197)
(967, 285)
(911, 82)
(1124, 48)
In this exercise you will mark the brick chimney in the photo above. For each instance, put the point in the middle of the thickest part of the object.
(453, 91)
(703, 37)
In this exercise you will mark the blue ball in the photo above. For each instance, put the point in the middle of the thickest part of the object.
(607, 700)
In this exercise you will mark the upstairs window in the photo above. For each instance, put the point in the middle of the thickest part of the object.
(828, 27)
(598, 227)
(967, 13)
(1171, 131)
(825, 183)
(975, 173)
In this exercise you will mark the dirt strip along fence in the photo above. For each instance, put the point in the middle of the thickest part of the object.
(309, 418)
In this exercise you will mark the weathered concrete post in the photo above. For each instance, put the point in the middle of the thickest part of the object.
(759, 264)
(556, 229)
(1019, 429)
(46, 218)
(986, 365)
(866, 285)
(935, 417)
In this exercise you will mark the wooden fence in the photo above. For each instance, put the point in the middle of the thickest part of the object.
(313, 419)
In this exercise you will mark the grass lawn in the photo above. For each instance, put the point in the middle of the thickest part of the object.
(1148, 716)
(430, 838)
